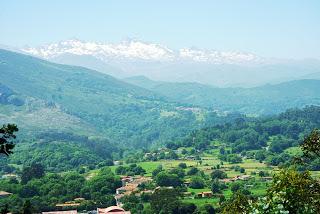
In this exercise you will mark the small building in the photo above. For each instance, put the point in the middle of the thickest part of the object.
(116, 163)
(68, 204)
(61, 212)
(187, 194)
(266, 178)
(237, 178)
(4, 194)
(112, 210)
(190, 157)
(244, 177)
(128, 189)
(126, 179)
(186, 183)
(228, 180)
(10, 176)
(204, 194)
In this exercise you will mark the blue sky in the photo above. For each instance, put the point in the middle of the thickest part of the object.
(272, 28)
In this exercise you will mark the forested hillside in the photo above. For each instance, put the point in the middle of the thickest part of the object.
(84, 117)
(268, 99)
(44, 94)
(272, 139)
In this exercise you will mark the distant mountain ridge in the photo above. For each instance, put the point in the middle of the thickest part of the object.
(138, 50)
(161, 63)
(267, 99)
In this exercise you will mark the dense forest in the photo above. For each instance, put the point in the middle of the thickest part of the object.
(264, 138)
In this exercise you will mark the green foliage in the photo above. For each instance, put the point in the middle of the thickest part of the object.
(178, 171)
(165, 201)
(295, 192)
(4, 209)
(182, 165)
(290, 192)
(45, 192)
(64, 151)
(157, 171)
(217, 186)
(197, 182)
(65, 98)
(132, 203)
(166, 179)
(263, 100)
(27, 207)
(218, 174)
(34, 171)
(311, 145)
(238, 204)
(132, 169)
(6, 138)
(205, 209)
(193, 171)
(265, 139)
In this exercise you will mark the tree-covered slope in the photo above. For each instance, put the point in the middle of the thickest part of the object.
(271, 139)
(268, 99)
(46, 95)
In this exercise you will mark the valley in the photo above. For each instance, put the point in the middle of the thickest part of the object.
(197, 144)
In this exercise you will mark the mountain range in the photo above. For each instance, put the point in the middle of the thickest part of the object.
(161, 63)
(43, 97)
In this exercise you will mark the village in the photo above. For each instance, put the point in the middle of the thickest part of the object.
(131, 185)
(139, 185)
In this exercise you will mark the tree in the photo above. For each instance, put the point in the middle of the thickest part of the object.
(238, 203)
(242, 170)
(27, 207)
(216, 186)
(157, 171)
(235, 187)
(178, 171)
(7, 137)
(261, 173)
(36, 170)
(296, 192)
(205, 209)
(5, 209)
(171, 155)
(165, 201)
(193, 171)
(311, 145)
(218, 174)
(233, 158)
(260, 155)
(197, 182)
(182, 165)
(222, 150)
(166, 179)
(187, 208)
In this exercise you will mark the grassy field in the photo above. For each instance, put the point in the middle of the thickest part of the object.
(210, 161)
(202, 201)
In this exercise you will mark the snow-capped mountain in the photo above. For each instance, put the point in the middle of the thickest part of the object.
(158, 62)
(138, 50)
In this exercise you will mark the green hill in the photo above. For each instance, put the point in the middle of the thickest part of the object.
(268, 99)
(41, 96)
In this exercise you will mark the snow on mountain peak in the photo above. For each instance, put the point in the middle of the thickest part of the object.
(138, 50)
(213, 56)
